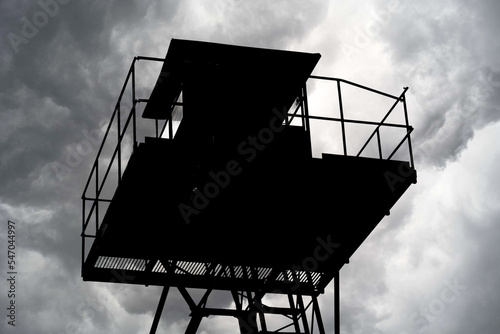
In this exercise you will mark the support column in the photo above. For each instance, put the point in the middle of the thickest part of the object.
(159, 310)
(319, 318)
(337, 302)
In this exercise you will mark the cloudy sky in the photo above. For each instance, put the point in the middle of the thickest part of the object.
(432, 266)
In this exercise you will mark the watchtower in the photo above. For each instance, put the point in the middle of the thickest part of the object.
(215, 185)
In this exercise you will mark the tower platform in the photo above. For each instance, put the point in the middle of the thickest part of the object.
(233, 199)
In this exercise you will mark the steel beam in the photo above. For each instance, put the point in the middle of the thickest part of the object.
(337, 302)
(159, 310)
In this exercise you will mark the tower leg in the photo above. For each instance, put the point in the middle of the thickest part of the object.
(247, 319)
(319, 318)
(297, 312)
(159, 310)
(294, 317)
(248, 322)
(337, 302)
(193, 325)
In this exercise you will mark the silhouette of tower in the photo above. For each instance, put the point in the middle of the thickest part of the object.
(215, 186)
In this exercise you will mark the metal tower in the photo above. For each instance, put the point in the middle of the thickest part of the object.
(215, 187)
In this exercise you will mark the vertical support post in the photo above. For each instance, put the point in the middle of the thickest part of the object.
(170, 126)
(342, 118)
(319, 318)
(294, 315)
(119, 145)
(133, 105)
(337, 302)
(300, 304)
(194, 323)
(159, 310)
(83, 232)
(156, 127)
(302, 113)
(379, 145)
(96, 201)
(306, 110)
(410, 150)
(262, 318)
(196, 314)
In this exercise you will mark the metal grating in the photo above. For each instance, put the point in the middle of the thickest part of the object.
(187, 268)
(107, 262)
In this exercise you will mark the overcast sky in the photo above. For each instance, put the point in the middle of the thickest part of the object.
(432, 266)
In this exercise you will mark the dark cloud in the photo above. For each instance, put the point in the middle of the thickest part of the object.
(443, 50)
(59, 86)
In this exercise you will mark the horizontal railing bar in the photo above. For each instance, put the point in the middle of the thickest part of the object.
(351, 121)
(97, 199)
(147, 100)
(83, 235)
(354, 84)
(149, 58)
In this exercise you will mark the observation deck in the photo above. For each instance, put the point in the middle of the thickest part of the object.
(224, 183)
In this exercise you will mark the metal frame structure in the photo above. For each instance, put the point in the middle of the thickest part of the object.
(251, 312)
(247, 284)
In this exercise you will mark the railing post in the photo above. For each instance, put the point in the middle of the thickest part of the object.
(159, 309)
(317, 311)
(306, 108)
(119, 146)
(83, 233)
(410, 150)
(336, 302)
(97, 192)
(170, 125)
(133, 106)
(379, 145)
(342, 118)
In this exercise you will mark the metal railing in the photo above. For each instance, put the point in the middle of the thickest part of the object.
(376, 133)
(99, 174)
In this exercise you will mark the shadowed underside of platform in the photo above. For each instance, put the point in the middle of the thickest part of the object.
(303, 219)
